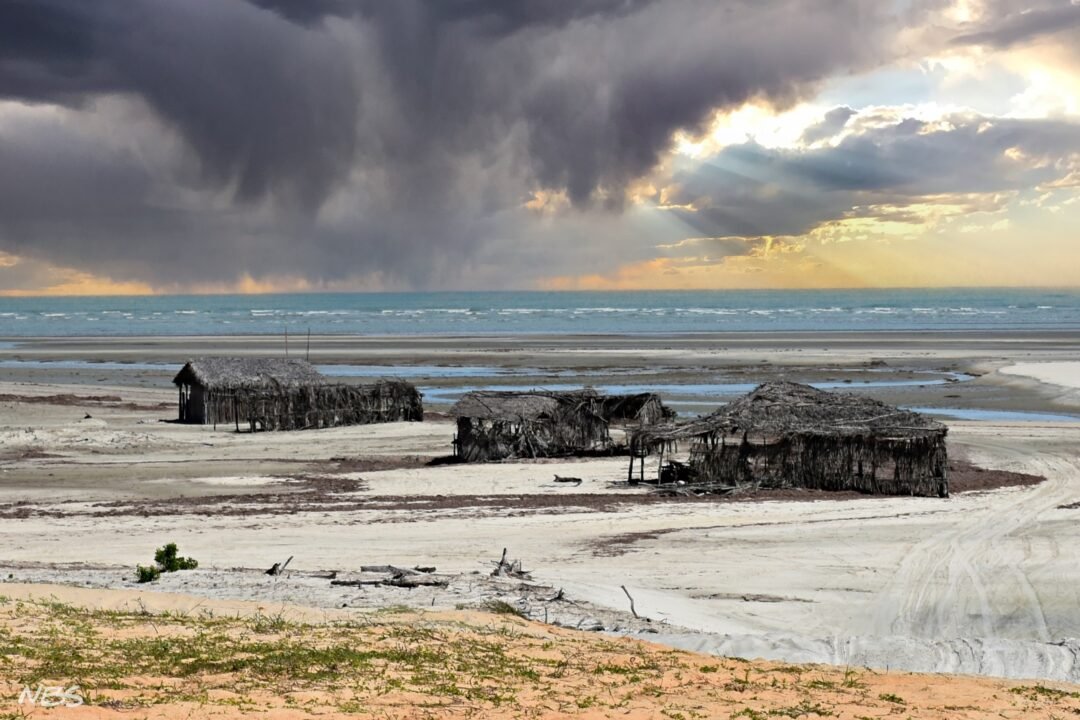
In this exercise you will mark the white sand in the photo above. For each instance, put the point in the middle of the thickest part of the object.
(1064, 374)
(984, 583)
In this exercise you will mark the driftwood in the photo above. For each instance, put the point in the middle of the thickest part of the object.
(279, 568)
(510, 569)
(411, 581)
(395, 570)
(694, 489)
(397, 577)
(357, 583)
(631, 598)
(574, 480)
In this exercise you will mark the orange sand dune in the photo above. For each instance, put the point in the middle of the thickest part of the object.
(149, 655)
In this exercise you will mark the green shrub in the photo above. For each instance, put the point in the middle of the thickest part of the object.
(166, 559)
(169, 561)
(147, 573)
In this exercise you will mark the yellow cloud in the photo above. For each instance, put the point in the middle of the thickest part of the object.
(940, 246)
(56, 280)
(81, 283)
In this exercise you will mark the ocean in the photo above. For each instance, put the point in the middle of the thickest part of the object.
(508, 313)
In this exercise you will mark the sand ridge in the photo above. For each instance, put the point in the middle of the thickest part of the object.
(188, 658)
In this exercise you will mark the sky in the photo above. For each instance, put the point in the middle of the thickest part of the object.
(155, 146)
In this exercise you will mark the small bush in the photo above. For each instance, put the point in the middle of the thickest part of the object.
(147, 573)
(166, 559)
(501, 607)
(169, 561)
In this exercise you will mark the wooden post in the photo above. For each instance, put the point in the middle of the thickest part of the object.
(630, 472)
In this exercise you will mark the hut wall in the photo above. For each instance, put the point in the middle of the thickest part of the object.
(315, 406)
(890, 466)
(192, 404)
(487, 439)
(642, 409)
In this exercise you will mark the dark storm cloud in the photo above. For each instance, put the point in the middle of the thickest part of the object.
(309, 11)
(1006, 25)
(332, 138)
(268, 108)
(833, 122)
(492, 16)
(750, 190)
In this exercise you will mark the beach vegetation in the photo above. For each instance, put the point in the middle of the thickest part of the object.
(147, 573)
(167, 559)
(206, 664)
(501, 607)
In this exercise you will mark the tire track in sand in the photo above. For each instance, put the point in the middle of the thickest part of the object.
(968, 579)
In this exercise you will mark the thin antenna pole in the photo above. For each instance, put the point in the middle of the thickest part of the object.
(307, 354)
(286, 341)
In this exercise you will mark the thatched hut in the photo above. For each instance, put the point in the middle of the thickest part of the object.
(209, 386)
(637, 409)
(286, 394)
(530, 424)
(791, 435)
(323, 406)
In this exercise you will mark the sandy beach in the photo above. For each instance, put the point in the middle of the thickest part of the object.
(93, 478)
(533, 359)
(289, 662)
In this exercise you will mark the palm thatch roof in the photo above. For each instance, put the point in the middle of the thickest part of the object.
(782, 407)
(787, 408)
(518, 406)
(639, 408)
(242, 373)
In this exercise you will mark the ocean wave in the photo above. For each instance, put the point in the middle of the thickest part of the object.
(524, 313)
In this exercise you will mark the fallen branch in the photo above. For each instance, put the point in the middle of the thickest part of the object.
(401, 581)
(395, 570)
(382, 569)
(632, 610)
(411, 581)
(357, 583)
